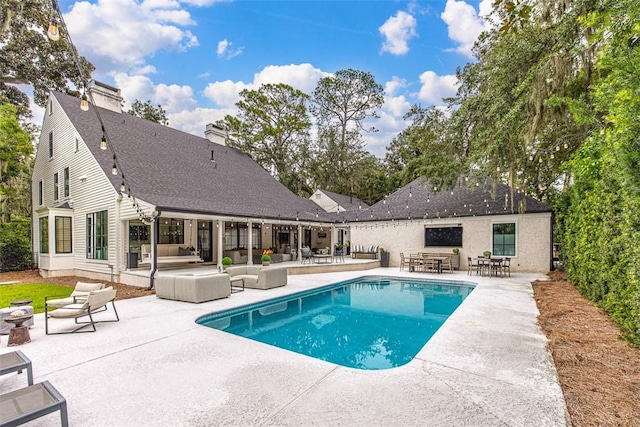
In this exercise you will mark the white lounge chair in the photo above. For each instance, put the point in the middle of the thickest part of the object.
(83, 306)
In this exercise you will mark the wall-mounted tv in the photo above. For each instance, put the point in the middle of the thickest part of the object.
(443, 236)
(322, 235)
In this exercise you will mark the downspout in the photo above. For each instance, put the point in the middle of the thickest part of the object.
(155, 232)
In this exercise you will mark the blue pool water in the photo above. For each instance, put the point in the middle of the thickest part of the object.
(371, 322)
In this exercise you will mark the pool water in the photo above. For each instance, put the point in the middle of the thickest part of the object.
(372, 322)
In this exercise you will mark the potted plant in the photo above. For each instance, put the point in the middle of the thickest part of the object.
(384, 257)
(266, 259)
(487, 254)
(226, 262)
(339, 248)
(456, 251)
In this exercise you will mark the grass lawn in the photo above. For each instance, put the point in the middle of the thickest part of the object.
(34, 291)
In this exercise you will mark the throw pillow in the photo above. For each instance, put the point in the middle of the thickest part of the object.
(183, 251)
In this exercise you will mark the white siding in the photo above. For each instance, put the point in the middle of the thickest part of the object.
(325, 202)
(90, 190)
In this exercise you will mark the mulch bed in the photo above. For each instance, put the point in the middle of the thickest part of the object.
(599, 372)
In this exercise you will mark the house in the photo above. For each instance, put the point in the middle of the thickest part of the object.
(203, 194)
(112, 191)
(472, 217)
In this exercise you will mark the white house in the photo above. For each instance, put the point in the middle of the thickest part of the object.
(155, 191)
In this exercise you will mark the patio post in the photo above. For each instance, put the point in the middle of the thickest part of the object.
(220, 245)
(249, 243)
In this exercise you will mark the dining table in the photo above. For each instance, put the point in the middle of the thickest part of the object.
(490, 265)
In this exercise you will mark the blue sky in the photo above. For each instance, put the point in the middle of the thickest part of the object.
(194, 56)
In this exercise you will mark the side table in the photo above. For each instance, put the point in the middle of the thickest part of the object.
(19, 334)
(236, 288)
(21, 302)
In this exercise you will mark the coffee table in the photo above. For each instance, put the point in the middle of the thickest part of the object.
(322, 259)
(16, 361)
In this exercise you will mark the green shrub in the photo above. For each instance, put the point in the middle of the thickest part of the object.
(15, 245)
(227, 261)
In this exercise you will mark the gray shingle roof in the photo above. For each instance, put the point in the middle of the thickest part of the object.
(419, 200)
(173, 170)
(349, 203)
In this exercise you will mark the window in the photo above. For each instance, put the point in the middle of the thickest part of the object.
(231, 237)
(50, 107)
(50, 144)
(443, 236)
(63, 234)
(256, 237)
(55, 186)
(504, 239)
(44, 235)
(40, 193)
(77, 144)
(97, 235)
(171, 231)
(65, 183)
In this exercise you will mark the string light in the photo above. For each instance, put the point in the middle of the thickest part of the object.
(84, 104)
(53, 32)
(103, 143)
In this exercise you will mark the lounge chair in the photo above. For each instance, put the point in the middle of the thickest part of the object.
(83, 306)
(82, 290)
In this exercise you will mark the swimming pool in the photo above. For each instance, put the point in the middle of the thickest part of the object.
(372, 322)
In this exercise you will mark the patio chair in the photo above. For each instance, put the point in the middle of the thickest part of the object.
(472, 266)
(401, 261)
(506, 266)
(306, 255)
(82, 290)
(95, 302)
(445, 264)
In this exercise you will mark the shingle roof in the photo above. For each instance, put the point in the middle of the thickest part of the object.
(173, 170)
(419, 200)
(348, 203)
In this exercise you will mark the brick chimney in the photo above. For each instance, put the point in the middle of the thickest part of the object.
(215, 133)
(105, 96)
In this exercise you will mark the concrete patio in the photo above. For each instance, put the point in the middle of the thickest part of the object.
(488, 365)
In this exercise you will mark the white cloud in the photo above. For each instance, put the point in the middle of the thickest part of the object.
(464, 24)
(225, 49)
(435, 87)
(172, 98)
(119, 34)
(393, 85)
(397, 31)
(146, 69)
(303, 77)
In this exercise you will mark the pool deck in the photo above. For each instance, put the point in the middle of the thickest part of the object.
(488, 365)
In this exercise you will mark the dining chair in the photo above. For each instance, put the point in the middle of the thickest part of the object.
(506, 266)
(445, 264)
(472, 266)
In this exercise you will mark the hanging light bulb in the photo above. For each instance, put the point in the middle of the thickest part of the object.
(114, 168)
(122, 186)
(84, 102)
(52, 32)
(103, 143)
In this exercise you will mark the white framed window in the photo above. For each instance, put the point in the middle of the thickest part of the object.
(98, 235)
(504, 239)
(56, 190)
(65, 183)
(63, 234)
(40, 193)
(51, 144)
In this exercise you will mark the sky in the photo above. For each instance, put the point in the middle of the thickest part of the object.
(193, 57)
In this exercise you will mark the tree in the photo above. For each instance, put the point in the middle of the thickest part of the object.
(147, 111)
(425, 149)
(29, 57)
(15, 151)
(342, 103)
(519, 109)
(272, 127)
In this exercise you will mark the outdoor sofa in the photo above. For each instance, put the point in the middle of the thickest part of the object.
(361, 251)
(169, 254)
(193, 288)
(259, 277)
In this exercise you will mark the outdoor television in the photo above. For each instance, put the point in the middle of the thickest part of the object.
(443, 236)
(322, 235)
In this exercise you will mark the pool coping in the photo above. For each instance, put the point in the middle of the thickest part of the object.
(487, 365)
